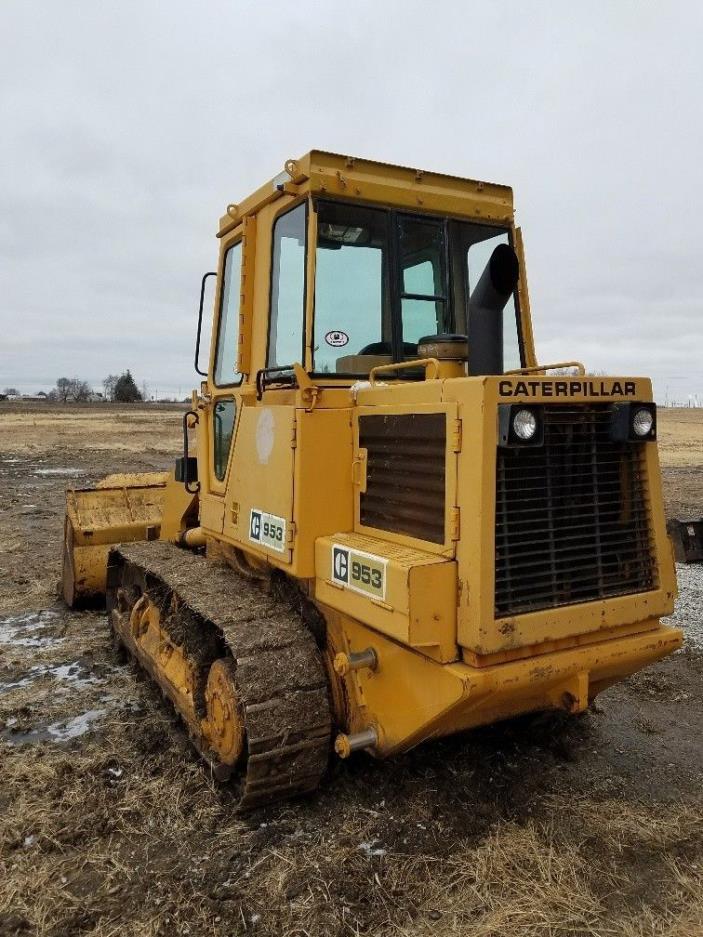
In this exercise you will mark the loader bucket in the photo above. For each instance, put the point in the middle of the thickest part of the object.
(119, 509)
(687, 537)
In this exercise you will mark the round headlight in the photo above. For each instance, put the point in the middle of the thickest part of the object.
(524, 424)
(642, 422)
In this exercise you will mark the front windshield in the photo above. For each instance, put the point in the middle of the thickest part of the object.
(352, 311)
(384, 280)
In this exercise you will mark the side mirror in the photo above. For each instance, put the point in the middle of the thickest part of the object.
(211, 273)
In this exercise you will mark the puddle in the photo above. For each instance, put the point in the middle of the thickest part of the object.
(59, 471)
(65, 730)
(57, 732)
(26, 630)
(76, 674)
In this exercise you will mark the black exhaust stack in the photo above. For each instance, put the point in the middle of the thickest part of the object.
(486, 305)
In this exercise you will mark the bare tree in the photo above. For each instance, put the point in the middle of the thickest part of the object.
(63, 389)
(72, 388)
(11, 392)
(109, 385)
(81, 390)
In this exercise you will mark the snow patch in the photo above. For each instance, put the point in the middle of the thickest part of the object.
(59, 471)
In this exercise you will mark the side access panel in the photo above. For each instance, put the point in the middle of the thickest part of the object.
(406, 594)
(259, 502)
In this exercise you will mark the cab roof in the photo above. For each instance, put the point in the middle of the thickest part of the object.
(352, 178)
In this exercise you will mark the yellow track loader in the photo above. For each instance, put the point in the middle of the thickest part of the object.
(397, 523)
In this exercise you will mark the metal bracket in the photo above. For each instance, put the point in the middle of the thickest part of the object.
(455, 436)
(191, 487)
(454, 524)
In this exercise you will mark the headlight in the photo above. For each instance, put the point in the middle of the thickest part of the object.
(633, 422)
(525, 424)
(642, 422)
(520, 425)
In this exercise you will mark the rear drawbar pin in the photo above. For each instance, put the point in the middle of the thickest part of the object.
(359, 660)
(344, 745)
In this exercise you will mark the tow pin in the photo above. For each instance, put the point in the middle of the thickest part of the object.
(344, 663)
(344, 745)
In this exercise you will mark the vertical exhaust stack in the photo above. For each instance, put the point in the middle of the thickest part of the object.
(486, 305)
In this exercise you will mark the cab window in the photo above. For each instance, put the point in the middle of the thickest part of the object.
(352, 308)
(384, 280)
(287, 289)
(228, 331)
(223, 427)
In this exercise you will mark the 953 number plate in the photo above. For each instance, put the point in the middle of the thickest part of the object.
(362, 572)
(267, 530)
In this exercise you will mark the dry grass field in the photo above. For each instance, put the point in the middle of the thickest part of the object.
(109, 825)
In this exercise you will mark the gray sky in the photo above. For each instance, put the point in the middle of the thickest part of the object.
(128, 126)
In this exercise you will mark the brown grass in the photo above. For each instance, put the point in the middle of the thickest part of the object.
(159, 851)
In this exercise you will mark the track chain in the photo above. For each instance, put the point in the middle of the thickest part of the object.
(279, 674)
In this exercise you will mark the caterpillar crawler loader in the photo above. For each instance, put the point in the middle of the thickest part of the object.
(398, 524)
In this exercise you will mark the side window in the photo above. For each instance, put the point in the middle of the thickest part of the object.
(287, 289)
(223, 427)
(228, 330)
(478, 256)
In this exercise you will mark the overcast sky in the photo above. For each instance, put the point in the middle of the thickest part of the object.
(128, 126)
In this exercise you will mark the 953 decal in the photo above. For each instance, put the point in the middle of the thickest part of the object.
(362, 572)
(267, 530)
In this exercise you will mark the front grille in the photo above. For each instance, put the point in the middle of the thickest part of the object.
(405, 473)
(572, 516)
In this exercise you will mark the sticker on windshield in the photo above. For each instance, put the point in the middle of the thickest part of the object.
(337, 339)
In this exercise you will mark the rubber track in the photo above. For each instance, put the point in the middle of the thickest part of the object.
(279, 674)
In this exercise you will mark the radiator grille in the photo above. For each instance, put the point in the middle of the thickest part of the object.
(405, 473)
(572, 516)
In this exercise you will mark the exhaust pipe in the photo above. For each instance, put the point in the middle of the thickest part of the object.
(486, 304)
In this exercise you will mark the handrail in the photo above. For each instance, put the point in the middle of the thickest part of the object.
(191, 486)
(404, 365)
(550, 367)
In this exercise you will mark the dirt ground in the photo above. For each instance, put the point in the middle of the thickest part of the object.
(109, 824)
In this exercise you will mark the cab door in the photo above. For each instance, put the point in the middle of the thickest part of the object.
(219, 418)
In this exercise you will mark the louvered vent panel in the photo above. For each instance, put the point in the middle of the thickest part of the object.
(405, 477)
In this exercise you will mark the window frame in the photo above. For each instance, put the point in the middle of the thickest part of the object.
(235, 403)
(237, 242)
(286, 211)
(399, 294)
(394, 274)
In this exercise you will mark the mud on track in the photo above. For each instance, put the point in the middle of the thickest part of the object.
(109, 824)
